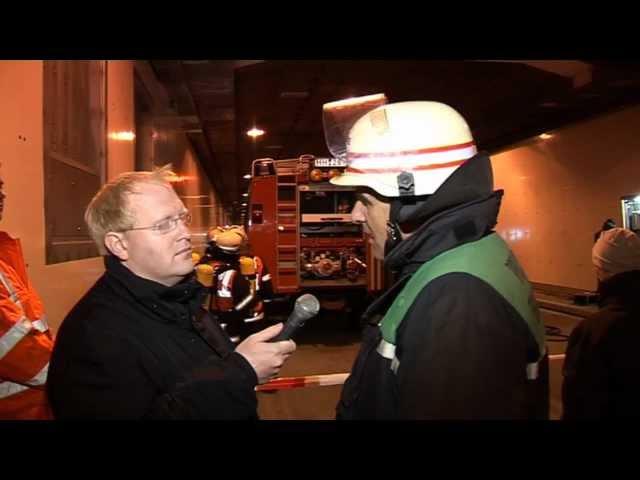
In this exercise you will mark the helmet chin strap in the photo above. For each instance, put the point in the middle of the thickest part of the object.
(401, 210)
(394, 235)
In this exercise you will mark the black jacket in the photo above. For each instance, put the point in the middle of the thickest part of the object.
(463, 349)
(602, 366)
(132, 348)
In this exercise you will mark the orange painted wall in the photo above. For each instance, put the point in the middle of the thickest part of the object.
(559, 191)
(158, 145)
(21, 93)
(120, 117)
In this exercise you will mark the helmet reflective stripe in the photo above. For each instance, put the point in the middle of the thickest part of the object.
(425, 159)
(428, 140)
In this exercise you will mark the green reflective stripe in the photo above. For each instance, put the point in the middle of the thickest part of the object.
(488, 259)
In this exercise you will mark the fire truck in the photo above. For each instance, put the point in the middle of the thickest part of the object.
(300, 225)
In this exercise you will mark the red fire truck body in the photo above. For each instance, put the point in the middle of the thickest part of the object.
(300, 225)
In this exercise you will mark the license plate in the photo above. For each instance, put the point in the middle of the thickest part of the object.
(330, 162)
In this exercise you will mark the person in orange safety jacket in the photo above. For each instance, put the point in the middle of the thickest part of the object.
(240, 284)
(25, 341)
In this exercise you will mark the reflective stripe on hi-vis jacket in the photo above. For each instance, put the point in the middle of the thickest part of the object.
(25, 341)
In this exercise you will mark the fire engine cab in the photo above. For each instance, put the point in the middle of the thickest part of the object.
(300, 225)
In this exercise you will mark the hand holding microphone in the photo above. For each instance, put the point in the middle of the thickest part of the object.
(268, 349)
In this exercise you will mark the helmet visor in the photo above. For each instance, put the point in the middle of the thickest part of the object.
(338, 117)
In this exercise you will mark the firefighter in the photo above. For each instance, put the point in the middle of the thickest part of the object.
(25, 341)
(240, 283)
(459, 335)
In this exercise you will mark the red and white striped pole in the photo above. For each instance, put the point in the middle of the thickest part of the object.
(286, 383)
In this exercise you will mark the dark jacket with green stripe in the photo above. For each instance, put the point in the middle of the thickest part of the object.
(463, 349)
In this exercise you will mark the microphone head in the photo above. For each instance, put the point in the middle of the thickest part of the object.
(307, 306)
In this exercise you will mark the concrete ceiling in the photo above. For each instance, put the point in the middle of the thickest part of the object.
(217, 101)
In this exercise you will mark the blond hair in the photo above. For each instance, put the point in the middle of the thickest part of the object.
(109, 210)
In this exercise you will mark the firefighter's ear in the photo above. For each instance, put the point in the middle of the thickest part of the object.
(116, 243)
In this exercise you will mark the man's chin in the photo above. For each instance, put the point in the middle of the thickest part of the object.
(187, 269)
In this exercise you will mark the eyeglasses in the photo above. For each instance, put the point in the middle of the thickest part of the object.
(167, 225)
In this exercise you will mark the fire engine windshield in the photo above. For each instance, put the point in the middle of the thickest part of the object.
(323, 202)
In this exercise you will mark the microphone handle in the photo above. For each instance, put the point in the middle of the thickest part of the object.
(290, 327)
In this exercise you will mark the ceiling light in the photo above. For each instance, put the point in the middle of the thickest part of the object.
(244, 204)
(245, 194)
(128, 136)
(545, 136)
(247, 176)
(255, 132)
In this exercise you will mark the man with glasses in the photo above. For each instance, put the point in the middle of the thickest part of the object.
(139, 344)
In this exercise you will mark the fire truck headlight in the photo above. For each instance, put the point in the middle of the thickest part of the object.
(334, 172)
(315, 175)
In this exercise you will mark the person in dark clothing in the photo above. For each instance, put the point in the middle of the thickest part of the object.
(601, 365)
(447, 340)
(139, 344)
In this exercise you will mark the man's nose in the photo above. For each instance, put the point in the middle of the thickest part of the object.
(183, 229)
(358, 214)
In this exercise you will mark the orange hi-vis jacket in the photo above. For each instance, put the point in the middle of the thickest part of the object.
(25, 341)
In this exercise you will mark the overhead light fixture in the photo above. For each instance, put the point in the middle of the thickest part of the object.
(245, 194)
(247, 176)
(244, 204)
(255, 132)
(545, 136)
(126, 136)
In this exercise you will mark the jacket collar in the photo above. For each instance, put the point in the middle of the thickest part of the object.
(167, 302)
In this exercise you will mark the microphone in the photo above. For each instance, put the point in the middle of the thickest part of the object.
(306, 306)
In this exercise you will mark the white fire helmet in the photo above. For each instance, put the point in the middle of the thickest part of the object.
(406, 148)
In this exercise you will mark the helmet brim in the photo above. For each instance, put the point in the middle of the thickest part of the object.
(386, 184)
